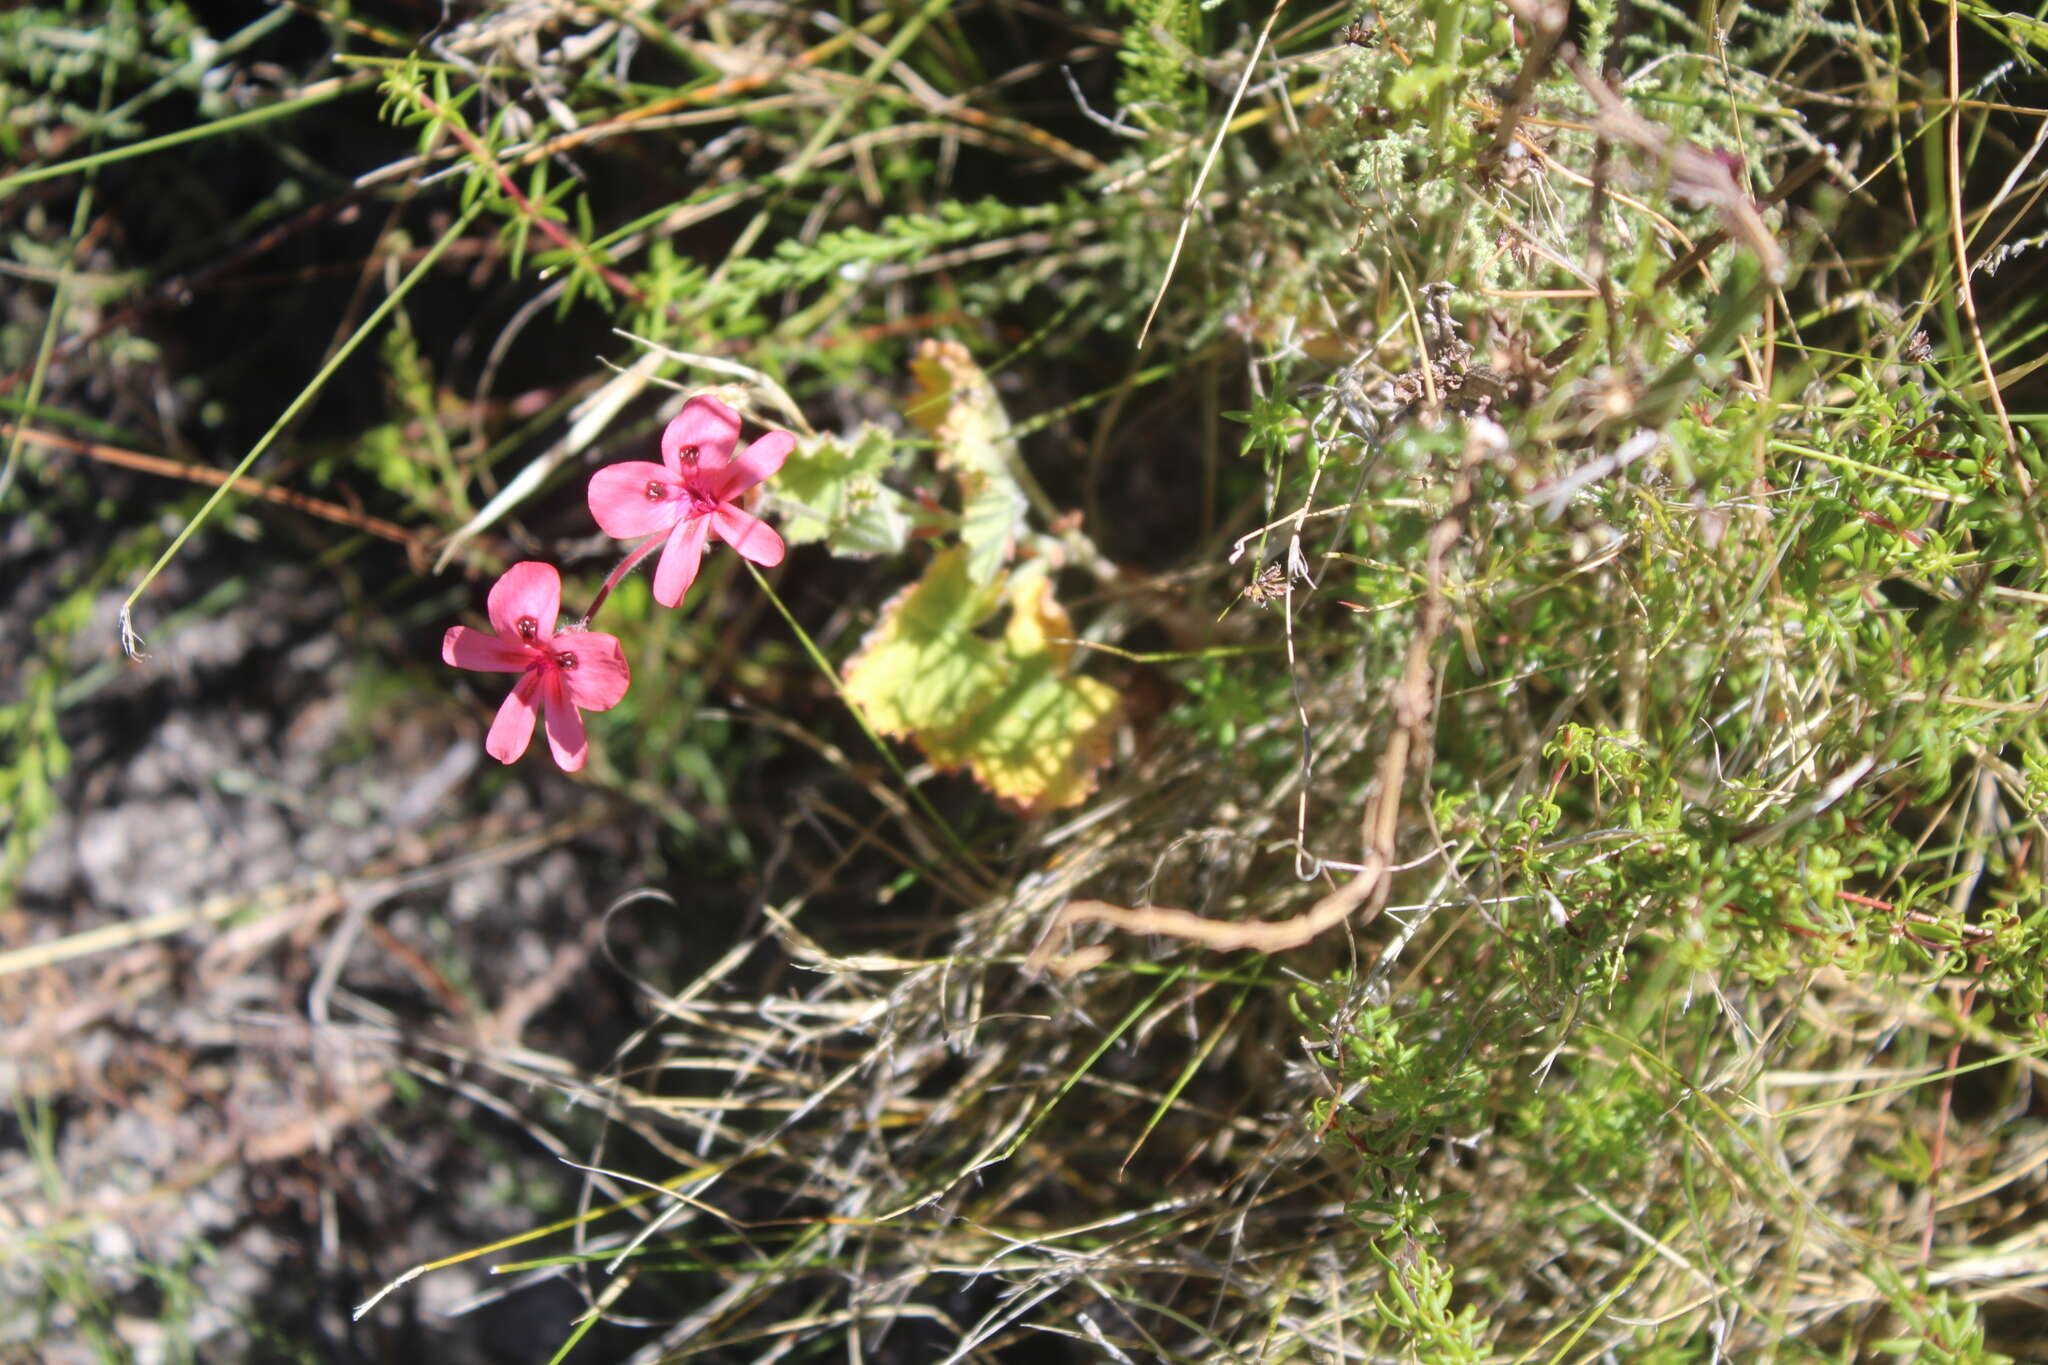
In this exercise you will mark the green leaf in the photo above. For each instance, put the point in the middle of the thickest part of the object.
(989, 524)
(1009, 710)
(831, 490)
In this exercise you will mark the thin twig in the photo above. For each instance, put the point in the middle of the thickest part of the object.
(1414, 706)
(554, 231)
(192, 473)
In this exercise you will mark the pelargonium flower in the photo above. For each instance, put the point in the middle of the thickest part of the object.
(693, 494)
(576, 668)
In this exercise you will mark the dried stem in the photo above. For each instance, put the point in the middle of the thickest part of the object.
(1414, 705)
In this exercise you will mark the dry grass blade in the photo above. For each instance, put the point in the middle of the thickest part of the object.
(1187, 213)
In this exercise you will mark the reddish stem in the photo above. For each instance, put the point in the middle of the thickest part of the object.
(639, 552)
(1937, 1154)
(548, 226)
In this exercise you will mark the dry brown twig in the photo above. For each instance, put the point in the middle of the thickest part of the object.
(1414, 705)
(1546, 22)
(255, 488)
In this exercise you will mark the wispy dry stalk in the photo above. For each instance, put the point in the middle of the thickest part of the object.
(1692, 172)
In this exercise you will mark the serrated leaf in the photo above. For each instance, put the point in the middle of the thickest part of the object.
(831, 490)
(922, 671)
(1009, 710)
(1040, 740)
(954, 401)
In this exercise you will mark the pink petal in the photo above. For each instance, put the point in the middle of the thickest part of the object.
(710, 426)
(754, 538)
(619, 501)
(759, 461)
(528, 588)
(466, 648)
(514, 725)
(565, 726)
(679, 560)
(600, 677)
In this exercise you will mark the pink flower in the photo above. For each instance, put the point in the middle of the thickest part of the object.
(574, 669)
(692, 494)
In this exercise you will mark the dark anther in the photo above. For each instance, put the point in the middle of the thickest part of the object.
(528, 628)
(655, 492)
(688, 454)
(566, 659)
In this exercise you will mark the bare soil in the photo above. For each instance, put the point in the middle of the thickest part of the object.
(225, 1135)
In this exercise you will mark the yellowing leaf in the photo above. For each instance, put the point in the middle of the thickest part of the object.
(1009, 709)
(953, 400)
(922, 669)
